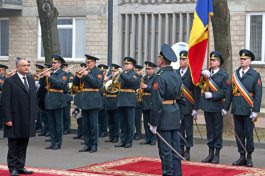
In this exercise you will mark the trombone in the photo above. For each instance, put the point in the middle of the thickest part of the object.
(79, 73)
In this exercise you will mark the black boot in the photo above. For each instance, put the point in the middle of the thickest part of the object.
(249, 162)
(187, 154)
(209, 158)
(216, 157)
(181, 150)
(241, 161)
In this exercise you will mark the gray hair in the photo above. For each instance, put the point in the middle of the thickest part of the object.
(19, 60)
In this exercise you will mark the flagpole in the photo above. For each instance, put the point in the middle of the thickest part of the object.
(208, 47)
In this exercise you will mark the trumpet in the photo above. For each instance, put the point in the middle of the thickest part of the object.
(10, 73)
(79, 73)
(40, 75)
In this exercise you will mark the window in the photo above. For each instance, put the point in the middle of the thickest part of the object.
(4, 39)
(71, 33)
(255, 36)
(151, 31)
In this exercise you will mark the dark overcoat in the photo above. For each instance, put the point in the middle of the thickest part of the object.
(20, 107)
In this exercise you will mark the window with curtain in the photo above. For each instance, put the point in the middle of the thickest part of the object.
(71, 33)
(255, 36)
(4, 37)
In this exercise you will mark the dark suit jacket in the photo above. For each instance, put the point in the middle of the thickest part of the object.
(20, 107)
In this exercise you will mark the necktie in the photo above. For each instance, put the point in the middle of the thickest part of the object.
(212, 72)
(242, 73)
(182, 72)
(26, 83)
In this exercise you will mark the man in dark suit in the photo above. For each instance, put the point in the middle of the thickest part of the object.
(165, 119)
(245, 94)
(214, 86)
(19, 103)
(2, 79)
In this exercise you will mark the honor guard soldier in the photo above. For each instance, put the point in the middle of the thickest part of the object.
(213, 85)
(129, 82)
(55, 102)
(91, 102)
(102, 118)
(165, 118)
(69, 98)
(188, 112)
(3, 69)
(138, 110)
(245, 94)
(146, 85)
(77, 90)
(110, 100)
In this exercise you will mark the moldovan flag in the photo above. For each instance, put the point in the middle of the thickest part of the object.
(199, 38)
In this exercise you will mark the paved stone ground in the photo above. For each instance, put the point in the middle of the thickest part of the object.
(69, 157)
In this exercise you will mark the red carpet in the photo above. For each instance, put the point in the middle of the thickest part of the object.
(46, 172)
(145, 166)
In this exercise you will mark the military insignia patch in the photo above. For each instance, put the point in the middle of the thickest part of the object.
(1, 81)
(155, 86)
(64, 78)
(228, 82)
(259, 82)
(100, 76)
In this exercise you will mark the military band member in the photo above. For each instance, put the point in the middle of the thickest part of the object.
(138, 110)
(69, 98)
(110, 100)
(165, 118)
(129, 82)
(188, 111)
(102, 118)
(77, 90)
(55, 101)
(213, 88)
(245, 94)
(91, 102)
(150, 67)
(3, 69)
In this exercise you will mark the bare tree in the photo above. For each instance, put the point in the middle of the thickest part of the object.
(48, 20)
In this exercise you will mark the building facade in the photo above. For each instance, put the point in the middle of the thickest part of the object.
(139, 29)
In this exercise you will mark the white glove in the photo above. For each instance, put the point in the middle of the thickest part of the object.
(153, 129)
(120, 70)
(194, 114)
(224, 112)
(208, 95)
(206, 73)
(253, 116)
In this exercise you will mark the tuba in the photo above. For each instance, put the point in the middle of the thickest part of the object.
(113, 86)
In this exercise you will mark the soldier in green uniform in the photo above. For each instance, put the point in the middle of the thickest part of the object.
(245, 94)
(139, 105)
(213, 85)
(129, 82)
(102, 118)
(165, 118)
(188, 112)
(3, 69)
(77, 90)
(91, 102)
(69, 99)
(55, 101)
(146, 85)
(112, 112)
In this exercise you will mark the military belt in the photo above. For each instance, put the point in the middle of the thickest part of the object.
(55, 90)
(239, 94)
(110, 95)
(90, 90)
(147, 94)
(78, 91)
(127, 90)
(169, 102)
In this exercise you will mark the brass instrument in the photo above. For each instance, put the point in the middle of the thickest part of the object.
(140, 91)
(113, 86)
(40, 75)
(79, 73)
(10, 73)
